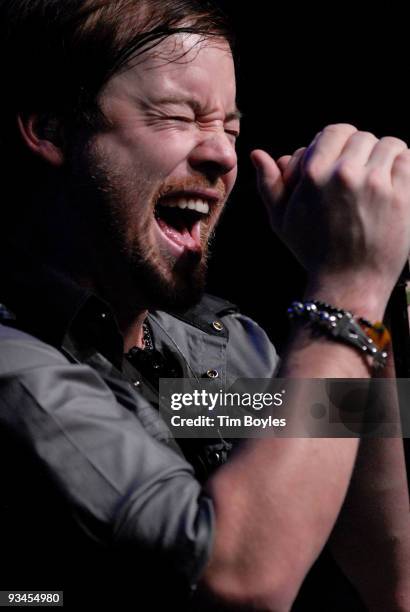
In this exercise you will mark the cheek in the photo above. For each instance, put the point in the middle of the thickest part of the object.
(160, 152)
(144, 156)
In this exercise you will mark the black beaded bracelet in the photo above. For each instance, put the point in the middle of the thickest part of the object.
(342, 325)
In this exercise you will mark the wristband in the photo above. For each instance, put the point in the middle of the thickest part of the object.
(370, 339)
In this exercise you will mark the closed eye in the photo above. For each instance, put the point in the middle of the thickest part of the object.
(233, 133)
(185, 119)
(181, 118)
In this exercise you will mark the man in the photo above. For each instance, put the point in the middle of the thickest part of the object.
(119, 138)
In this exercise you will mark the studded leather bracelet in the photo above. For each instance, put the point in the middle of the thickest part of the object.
(370, 339)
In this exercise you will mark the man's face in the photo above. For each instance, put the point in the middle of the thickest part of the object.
(164, 168)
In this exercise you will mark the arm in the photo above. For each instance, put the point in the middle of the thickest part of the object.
(371, 539)
(276, 502)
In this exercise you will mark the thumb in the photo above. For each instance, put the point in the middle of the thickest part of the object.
(271, 186)
(269, 176)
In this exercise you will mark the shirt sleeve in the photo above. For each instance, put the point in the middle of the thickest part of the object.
(122, 485)
(250, 352)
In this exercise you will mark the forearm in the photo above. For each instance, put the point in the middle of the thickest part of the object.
(371, 540)
(285, 494)
(277, 500)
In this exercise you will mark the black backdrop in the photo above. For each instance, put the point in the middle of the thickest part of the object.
(299, 70)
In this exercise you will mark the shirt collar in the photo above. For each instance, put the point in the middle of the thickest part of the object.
(51, 306)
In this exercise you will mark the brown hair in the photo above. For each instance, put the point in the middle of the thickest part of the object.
(57, 55)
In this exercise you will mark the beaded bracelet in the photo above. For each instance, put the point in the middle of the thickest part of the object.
(370, 339)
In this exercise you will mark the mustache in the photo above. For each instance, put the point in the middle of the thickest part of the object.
(191, 183)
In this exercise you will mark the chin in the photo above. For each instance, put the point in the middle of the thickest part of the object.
(176, 287)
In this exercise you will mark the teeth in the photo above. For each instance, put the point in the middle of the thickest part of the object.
(197, 205)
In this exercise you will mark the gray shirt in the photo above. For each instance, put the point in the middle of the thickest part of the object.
(92, 470)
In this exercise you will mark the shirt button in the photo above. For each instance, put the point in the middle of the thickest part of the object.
(217, 325)
(136, 383)
(212, 373)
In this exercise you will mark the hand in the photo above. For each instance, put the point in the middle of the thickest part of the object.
(343, 207)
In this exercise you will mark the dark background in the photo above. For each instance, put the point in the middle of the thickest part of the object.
(299, 70)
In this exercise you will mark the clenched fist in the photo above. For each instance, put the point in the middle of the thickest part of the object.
(342, 205)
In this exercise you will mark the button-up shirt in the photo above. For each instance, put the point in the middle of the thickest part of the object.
(97, 496)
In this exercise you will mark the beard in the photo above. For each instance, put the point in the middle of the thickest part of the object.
(127, 265)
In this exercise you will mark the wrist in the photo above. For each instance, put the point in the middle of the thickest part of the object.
(369, 339)
(361, 299)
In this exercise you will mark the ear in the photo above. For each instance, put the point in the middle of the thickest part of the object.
(41, 133)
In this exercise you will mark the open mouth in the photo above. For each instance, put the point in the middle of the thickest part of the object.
(179, 220)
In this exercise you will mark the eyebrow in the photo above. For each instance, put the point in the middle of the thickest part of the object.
(235, 114)
(196, 106)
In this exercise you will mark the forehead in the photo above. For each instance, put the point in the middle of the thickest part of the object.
(181, 64)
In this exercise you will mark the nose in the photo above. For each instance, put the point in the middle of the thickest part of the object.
(214, 156)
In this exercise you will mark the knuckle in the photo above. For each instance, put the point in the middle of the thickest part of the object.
(346, 174)
(403, 161)
(337, 128)
(313, 170)
(299, 151)
(392, 141)
(377, 183)
(284, 158)
(365, 136)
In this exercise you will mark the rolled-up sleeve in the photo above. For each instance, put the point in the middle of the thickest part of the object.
(250, 352)
(122, 485)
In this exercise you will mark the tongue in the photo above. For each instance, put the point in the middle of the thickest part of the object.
(182, 236)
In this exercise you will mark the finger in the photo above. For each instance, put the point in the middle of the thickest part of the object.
(385, 152)
(401, 173)
(321, 156)
(283, 163)
(358, 148)
(293, 169)
(269, 176)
